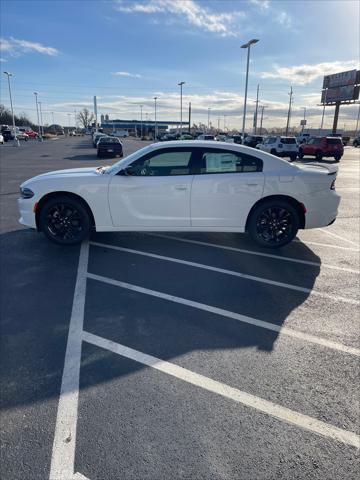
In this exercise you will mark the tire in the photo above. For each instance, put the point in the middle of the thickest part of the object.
(293, 158)
(355, 144)
(273, 151)
(337, 158)
(269, 235)
(301, 153)
(318, 155)
(56, 225)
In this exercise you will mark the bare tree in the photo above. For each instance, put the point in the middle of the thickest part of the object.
(85, 118)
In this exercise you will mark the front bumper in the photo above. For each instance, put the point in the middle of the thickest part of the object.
(26, 209)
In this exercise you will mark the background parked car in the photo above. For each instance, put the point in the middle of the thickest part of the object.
(237, 139)
(303, 137)
(2, 139)
(356, 141)
(186, 136)
(280, 146)
(96, 138)
(206, 137)
(253, 140)
(320, 147)
(7, 134)
(109, 147)
(30, 133)
(22, 136)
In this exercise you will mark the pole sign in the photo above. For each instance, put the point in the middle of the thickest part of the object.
(302, 122)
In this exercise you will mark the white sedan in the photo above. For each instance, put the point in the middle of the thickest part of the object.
(184, 186)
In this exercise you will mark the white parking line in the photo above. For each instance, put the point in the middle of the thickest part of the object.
(63, 453)
(260, 254)
(338, 236)
(327, 245)
(232, 273)
(79, 476)
(233, 315)
(265, 406)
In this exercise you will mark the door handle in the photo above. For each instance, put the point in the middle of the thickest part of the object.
(181, 187)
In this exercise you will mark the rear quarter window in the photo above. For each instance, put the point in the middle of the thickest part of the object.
(288, 141)
(334, 141)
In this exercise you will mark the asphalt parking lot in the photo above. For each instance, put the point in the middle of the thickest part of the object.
(185, 356)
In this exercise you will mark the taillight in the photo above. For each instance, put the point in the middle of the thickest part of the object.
(332, 186)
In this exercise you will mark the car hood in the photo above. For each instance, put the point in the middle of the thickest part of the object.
(74, 172)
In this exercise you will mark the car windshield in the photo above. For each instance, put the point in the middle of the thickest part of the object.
(109, 140)
(288, 140)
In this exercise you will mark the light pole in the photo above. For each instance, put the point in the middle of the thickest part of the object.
(16, 141)
(256, 109)
(247, 45)
(69, 116)
(181, 89)
(141, 122)
(224, 122)
(357, 122)
(262, 116)
(209, 109)
(38, 117)
(41, 120)
(156, 133)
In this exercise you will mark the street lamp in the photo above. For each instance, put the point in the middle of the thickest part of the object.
(209, 109)
(247, 45)
(38, 117)
(141, 122)
(16, 141)
(181, 88)
(156, 132)
(303, 125)
(41, 120)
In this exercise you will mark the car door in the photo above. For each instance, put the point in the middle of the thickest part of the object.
(156, 193)
(226, 185)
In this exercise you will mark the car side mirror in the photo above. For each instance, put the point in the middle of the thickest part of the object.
(127, 171)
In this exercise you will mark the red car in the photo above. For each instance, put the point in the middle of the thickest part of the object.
(320, 147)
(31, 133)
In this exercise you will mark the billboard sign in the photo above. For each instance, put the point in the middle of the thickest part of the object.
(340, 94)
(340, 79)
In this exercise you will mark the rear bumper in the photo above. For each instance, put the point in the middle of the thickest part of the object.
(27, 215)
(322, 209)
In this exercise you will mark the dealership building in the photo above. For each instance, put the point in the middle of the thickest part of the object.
(138, 127)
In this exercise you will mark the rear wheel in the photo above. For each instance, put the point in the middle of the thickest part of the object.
(293, 158)
(273, 151)
(64, 220)
(301, 153)
(273, 224)
(337, 158)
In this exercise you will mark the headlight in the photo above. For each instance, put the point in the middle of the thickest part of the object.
(26, 192)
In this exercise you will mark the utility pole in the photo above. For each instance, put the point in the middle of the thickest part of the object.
(189, 116)
(224, 122)
(52, 117)
(181, 90)
(156, 132)
(209, 108)
(289, 111)
(256, 109)
(262, 116)
(96, 113)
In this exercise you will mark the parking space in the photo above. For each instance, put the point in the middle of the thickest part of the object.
(143, 356)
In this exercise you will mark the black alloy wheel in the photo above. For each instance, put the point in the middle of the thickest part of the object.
(64, 220)
(319, 155)
(301, 153)
(274, 224)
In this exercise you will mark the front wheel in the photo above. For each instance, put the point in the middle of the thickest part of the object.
(273, 224)
(301, 153)
(337, 158)
(64, 220)
(293, 158)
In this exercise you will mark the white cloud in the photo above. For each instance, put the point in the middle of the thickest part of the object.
(284, 19)
(15, 47)
(195, 14)
(126, 74)
(303, 74)
(262, 4)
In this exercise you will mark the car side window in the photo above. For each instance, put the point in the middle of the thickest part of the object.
(224, 161)
(163, 163)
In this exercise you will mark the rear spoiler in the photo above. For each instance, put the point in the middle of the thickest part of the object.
(331, 169)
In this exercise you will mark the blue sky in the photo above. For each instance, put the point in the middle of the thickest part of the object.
(127, 52)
